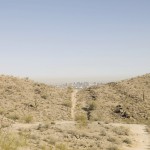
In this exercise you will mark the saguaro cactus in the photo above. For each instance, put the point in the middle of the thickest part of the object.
(143, 96)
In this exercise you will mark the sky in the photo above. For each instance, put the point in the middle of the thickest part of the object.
(74, 40)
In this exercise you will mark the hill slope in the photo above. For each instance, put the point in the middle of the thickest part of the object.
(22, 98)
(127, 100)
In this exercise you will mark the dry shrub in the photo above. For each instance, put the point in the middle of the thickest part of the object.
(69, 89)
(13, 116)
(121, 130)
(113, 147)
(103, 133)
(2, 112)
(11, 141)
(61, 147)
(127, 141)
(28, 118)
(67, 103)
(81, 120)
(92, 106)
(112, 139)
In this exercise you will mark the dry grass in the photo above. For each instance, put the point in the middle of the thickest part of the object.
(121, 131)
(11, 141)
(127, 141)
(81, 119)
(28, 118)
(112, 147)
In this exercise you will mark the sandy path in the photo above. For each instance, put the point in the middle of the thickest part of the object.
(18, 126)
(140, 136)
(73, 100)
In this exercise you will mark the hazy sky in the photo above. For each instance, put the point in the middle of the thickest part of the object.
(75, 39)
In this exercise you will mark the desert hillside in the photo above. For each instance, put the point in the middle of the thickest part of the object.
(124, 101)
(35, 116)
(23, 99)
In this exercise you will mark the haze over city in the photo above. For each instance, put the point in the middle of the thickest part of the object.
(66, 41)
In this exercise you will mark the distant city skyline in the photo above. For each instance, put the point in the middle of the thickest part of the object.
(100, 79)
(66, 41)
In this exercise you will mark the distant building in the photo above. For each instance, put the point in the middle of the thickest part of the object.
(79, 85)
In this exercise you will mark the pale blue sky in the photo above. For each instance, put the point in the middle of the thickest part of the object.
(75, 39)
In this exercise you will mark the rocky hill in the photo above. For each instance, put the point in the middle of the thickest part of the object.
(35, 116)
(23, 100)
(124, 101)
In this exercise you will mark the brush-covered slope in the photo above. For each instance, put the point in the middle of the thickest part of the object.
(128, 100)
(24, 100)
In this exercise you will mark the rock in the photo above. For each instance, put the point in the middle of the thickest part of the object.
(118, 109)
(126, 115)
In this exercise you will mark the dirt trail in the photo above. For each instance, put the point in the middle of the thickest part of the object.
(73, 100)
(18, 126)
(140, 136)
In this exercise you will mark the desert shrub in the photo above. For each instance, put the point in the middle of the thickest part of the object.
(69, 89)
(61, 147)
(53, 123)
(4, 124)
(81, 119)
(103, 133)
(127, 141)
(2, 111)
(28, 118)
(52, 140)
(11, 141)
(112, 147)
(46, 148)
(92, 106)
(148, 128)
(121, 130)
(13, 116)
(67, 103)
(111, 139)
(43, 127)
(44, 96)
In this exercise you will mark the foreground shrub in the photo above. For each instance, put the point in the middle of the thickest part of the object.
(82, 120)
(121, 130)
(11, 141)
(28, 118)
(61, 147)
(67, 103)
(13, 117)
(127, 141)
(113, 147)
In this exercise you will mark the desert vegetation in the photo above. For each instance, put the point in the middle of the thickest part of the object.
(125, 101)
(23, 98)
(35, 116)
